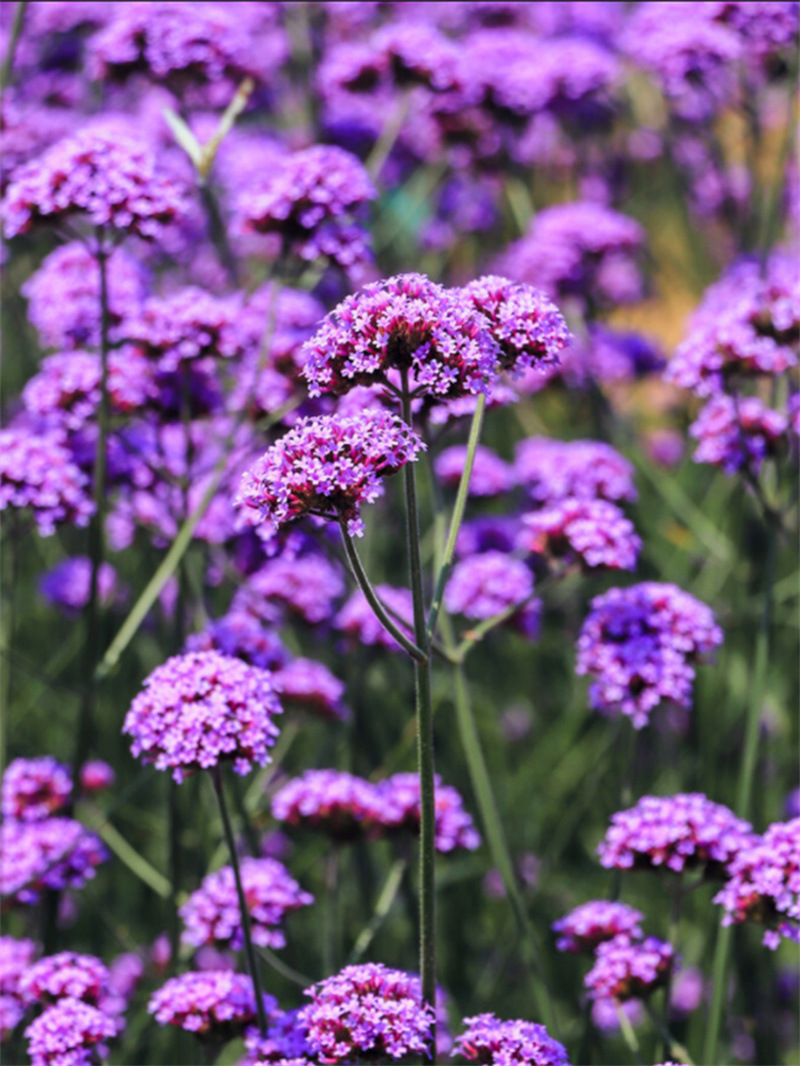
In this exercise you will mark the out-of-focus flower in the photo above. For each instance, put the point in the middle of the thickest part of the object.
(483, 585)
(625, 969)
(490, 475)
(15, 958)
(508, 1043)
(310, 685)
(454, 828)
(38, 473)
(243, 636)
(306, 586)
(52, 853)
(580, 931)
(214, 1004)
(65, 975)
(68, 585)
(358, 621)
(34, 789)
(188, 325)
(737, 433)
(202, 708)
(70, 1032)
(555, 470)
(590, 533)
(337, 803)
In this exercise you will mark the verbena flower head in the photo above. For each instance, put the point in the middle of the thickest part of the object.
(580, 931)
(454, 828)
(555, 470)
(367, 1013)
(358, 621)
(38, 473)
(490, 475)
(187, 325)
(592, 533)
(15, 958)
(34, 789)
(680, 832)
(68, 585)
(581, 251)
(213, 1004)
(529, 329)
(747, 324)
(305, 586)
(738, 433)
(96, 776)
(337, 803)
(310, 685)
(626, 969)
(101, 173)
(489, 1040)
(65, 975)
(309, 199)
(52, 853)
(285, 1042)
(405, 324)
(490, 533)
(328, 467)
(70, 1033)
(481, 586)
(199, 709)
(243, 636)
(64, 296)
(212, 915)
(640, 644)
(764, 884)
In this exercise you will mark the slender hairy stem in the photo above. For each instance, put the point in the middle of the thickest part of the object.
(381, 612)
(425, 761)
(175, 872)
(458, 514)
(755, 701)
(677, 893)
(252, 962)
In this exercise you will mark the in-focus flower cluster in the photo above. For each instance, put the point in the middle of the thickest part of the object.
(213, 1004)
(508, 1043)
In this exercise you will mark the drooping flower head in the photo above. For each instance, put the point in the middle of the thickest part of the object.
(213, 1004)
(764, 884)
(70, 1032)
(309, 199)
(38, 473)
(199, 709)
(590, 533)
(102, 173)
(580, 931)
(627, 969)
(34, 789)
(52, 853)
(554, 470)
(640, 644)
(328, 467)
(454, 827)
(368, 1013)
(212, 915)
(337, 803)
(681, 832)
(403, 325)
(489, 1040)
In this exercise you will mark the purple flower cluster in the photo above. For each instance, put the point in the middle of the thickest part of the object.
(738, 433)
(101, 172)
(328, 467)
(285, 1042)
(589, 533)
(308, 199)
(96, 776)
(482, 586)
(188, 325)
(38, 473)
(67, 586)
(201, 708)
(64, 296)
(34, 789)
(242, 636)
(640, 645)
(401, 811)
(626, 969)
(680, 832)
(51, 853)
(212, 914)
(554, 470)
(358, 620)
(764, 883)
(367, 1012)
(15, 958)
(310, 685)
(306, 586)
(490, 475)
(508, 1043)
(580, 931)
(579, 251)
(70, 1033)
(212, 1004)
(66, 975)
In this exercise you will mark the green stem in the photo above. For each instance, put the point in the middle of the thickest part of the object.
(13, 38)
(425, 757)
(330, 939)
(381, 612)
(677, 893)
(628, 1034)
(388, 136)
(175, 870)
(382, 907)
(458, 514)
(673, 1049)
(755, 700)
(252, 962)
(135, 862)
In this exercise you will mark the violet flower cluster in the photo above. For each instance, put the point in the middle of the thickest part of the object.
(484, 585)
(15, 958)
(508, 1043)
(554, 470)
(359, 623)
(589, 533)
(628, 969)
(38, 474)
(215, 1005)
(53, 853)
(640, 645)
(580, 931)
(72, 1032)
(68, 585)
(34, 789)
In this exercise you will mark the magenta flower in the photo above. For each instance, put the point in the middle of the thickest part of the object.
(403, 325)
(486, 1039)
(358, 621)
(640, 644)
(202, 708)
(34, 789)
(65, 975)
(555, 470)
(337, 803)
(625, 969)
(454, 828)
(367, 1013)
(96, 776)
(52, 853)
(326, 467)
(214, 1004)
(70, 1032)
(100, 172)
(490, 475)
(212, 914)
(310, 685)
(764, 884)
(482, 586)
(590, 533)
(679, 833)
(38, 473)
(306, 587)
(15, 958)
(188, 325)
(738, 433)
(580, 931)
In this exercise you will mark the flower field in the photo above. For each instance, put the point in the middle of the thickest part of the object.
(399, 533)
